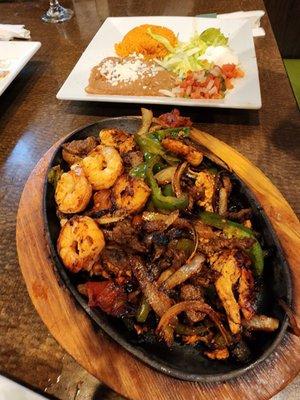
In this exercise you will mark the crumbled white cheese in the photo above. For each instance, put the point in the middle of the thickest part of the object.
(125, 71)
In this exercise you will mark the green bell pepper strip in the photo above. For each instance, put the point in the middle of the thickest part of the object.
(169, 132)
(167, 190)
(139, 171)
(143, 310)
(160, 201)
(150, 146)
(234, 229)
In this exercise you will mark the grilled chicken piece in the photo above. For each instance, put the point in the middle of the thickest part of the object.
(193, 156)
(227, 265)
(206, 185)
(219, 354)
(224, 193)
(245, 289)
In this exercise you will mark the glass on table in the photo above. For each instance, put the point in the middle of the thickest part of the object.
(57, 13)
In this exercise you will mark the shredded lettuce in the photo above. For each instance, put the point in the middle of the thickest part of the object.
(185, 56)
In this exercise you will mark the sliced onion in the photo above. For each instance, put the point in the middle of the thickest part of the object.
(166, 92)
(213, 90)
(165, 275)
(261, 323)
(165, 175)
(192, 174)
(215, 71)
(185, 272)
(158, 300)
(210, 85)
(169, 319)
(167, 219)
(177, 177)
(111, 218)
(147, 117)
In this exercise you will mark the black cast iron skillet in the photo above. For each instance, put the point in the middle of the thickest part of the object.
(180, 361)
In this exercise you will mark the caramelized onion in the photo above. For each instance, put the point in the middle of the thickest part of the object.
(166, 175)
(167, 219)
(261, 323)
(111, 218)
(159, 301)
(169, 319)
(176, 186)
(185, 272)
(147, 116)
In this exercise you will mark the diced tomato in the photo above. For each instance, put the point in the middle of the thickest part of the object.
(217, 83)
(217, 96)
(196, 94)
(228, 70)
(107, 296)
(239, 73)
(188, 90)
(228, 84)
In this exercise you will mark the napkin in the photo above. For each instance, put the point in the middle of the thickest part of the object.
(9, 32)
(253, 16)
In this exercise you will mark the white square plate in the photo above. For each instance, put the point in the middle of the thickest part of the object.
(13, 57)
(246, 93)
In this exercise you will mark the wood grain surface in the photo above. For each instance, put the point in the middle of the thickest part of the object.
(108, 361)
(32, 119)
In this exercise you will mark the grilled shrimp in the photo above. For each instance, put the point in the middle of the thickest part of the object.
(102, 167)
(193, 156)
(80, 243)
(118, 139)
(130, 194)
(73, 191)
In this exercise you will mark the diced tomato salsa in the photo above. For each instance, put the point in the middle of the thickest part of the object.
(210, 84)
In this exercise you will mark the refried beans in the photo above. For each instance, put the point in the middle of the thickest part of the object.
(131, 76)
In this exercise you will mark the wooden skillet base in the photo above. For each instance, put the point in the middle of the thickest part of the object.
(105, 359)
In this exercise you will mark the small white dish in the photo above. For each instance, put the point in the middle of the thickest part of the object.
(10, 390)
(245, 95)
(13, 57)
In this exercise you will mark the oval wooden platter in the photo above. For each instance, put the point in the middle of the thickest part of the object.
(104, 358)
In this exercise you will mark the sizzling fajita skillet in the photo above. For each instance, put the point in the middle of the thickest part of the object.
(183, 361)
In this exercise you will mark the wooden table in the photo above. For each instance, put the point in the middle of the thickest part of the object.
(31, 120)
